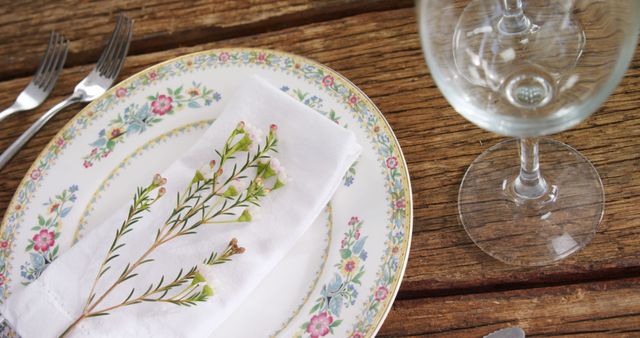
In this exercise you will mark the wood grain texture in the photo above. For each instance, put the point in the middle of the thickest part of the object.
(610, 309)
(380, 53)
(25, 25)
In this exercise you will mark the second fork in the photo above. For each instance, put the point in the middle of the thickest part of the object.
(45, 78)
(91, 87)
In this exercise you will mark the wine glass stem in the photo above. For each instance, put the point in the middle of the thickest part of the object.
(513, 20)
(530, 184)
(512, 7)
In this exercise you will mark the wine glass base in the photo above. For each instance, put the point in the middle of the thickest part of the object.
(535, 232)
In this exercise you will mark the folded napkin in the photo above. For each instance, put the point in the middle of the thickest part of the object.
(316, 153)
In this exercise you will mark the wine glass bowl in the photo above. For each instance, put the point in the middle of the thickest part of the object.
(576, 52)
(528, 69)
(522, 57)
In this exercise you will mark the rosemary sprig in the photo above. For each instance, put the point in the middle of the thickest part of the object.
(142, 201)
(195, 284)
(208, 199)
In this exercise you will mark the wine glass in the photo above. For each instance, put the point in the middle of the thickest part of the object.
(527, 69)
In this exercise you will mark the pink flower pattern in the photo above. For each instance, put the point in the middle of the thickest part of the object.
(43, 240)
(223, 57)
(152, 76)
(381, 293)
(319, 325)
(350, 265)
(392, 162)
(327, 81)
(162, 105)
(35, 174)
(121, 92)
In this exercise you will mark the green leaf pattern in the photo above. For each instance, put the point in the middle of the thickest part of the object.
(42, 248)
(341, 292)
(137, 118)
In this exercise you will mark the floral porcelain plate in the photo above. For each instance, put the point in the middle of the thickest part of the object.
(342, 285)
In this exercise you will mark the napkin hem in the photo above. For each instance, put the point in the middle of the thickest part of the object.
(55, 300)
(47, 300)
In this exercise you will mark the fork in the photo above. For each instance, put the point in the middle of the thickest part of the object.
(45, 78)
(91, 87)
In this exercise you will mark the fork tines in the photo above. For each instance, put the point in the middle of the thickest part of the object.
(52, 62)
(112, 58)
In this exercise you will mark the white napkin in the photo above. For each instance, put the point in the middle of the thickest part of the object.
(315, 152)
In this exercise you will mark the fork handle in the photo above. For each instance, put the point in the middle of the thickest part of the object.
(8, 112)
(28, 134)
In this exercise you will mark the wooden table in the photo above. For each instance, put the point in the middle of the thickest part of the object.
(450, 287)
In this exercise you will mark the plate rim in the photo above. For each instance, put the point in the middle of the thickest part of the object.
(398, 281)
(381, 315)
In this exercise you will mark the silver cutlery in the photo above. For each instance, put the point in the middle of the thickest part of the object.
(91, 87)
(510, 332)
(45, 78)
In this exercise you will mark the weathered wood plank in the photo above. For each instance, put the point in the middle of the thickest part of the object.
(160, 25)
(610, 309)
(380, 52)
